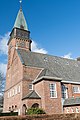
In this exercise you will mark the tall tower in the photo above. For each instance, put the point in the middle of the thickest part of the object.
(19, 37)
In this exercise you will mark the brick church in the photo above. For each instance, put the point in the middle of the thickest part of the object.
(39, 80)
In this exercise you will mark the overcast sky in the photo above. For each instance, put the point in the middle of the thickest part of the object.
(54, 26)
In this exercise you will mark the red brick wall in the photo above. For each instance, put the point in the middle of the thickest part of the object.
(72, 109)
(50, 105)
(30, 102)
(30, 73)
(70, 90)
(13, 100)
(15, 72)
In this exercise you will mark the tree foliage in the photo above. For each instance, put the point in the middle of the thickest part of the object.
(32, 111)
(2, 83)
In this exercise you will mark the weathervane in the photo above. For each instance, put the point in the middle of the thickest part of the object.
(20, 4)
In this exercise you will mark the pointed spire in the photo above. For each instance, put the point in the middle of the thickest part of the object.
(20, 4)
(20, 21)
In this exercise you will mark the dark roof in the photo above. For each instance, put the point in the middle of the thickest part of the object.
(47, 72)
(71, 101)
(54, 66)
(32, 95)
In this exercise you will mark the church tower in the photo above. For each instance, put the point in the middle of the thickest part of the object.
(19, 41)
(19, 37)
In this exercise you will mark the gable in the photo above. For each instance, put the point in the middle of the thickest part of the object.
(32, 95)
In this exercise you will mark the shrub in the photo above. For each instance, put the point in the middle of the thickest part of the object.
(9, 114)
(32, 111)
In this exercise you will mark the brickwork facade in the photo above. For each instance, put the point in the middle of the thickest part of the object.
(30, 85)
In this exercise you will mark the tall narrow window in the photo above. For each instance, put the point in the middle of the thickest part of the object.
(67, 110)
(72, 110)
(19, 89)
(64, 92)
(12, 92)
(15, 90)
(53, 92)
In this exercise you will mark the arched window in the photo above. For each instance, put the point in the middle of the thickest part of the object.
(35, 105)
(72, 110)
(10, 109)
(67, 110)
(24, 109)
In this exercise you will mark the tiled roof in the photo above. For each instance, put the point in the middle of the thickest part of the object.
(67, 69)
(32, 95)
(47, 72)
(71, 101)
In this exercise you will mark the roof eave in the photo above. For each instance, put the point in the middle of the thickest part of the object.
(46, 78)
(30, 98)
(67, 105)
(63, 81)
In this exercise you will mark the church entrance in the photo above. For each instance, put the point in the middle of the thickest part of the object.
(24, 109)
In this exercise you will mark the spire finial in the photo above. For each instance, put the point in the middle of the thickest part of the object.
(20, 4)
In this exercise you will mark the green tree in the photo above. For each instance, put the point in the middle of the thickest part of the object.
(2, 83)
(2, 86)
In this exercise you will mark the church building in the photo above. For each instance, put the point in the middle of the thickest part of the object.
(39, 80)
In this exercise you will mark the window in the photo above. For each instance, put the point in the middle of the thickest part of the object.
(10, 109)
(72, 110)
(53, 92)
(64, 92)
(67, 110)
(77, 110)
(12, 92)
(76, 89)
(18, 89)
(15, 90)
(30, 86)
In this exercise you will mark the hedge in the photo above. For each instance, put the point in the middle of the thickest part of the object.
(32, 111)
(73, 116)
(9, 114)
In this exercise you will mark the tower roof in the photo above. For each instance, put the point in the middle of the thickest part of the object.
(20, 21)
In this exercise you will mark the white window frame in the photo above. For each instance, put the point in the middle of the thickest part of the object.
(16, 90)
(77, 110)
(31, 86)
(13, 92)
(53, 92)
(72, 110)
(19, 89)
(76, 89)
(10, 93)
(67, 110)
